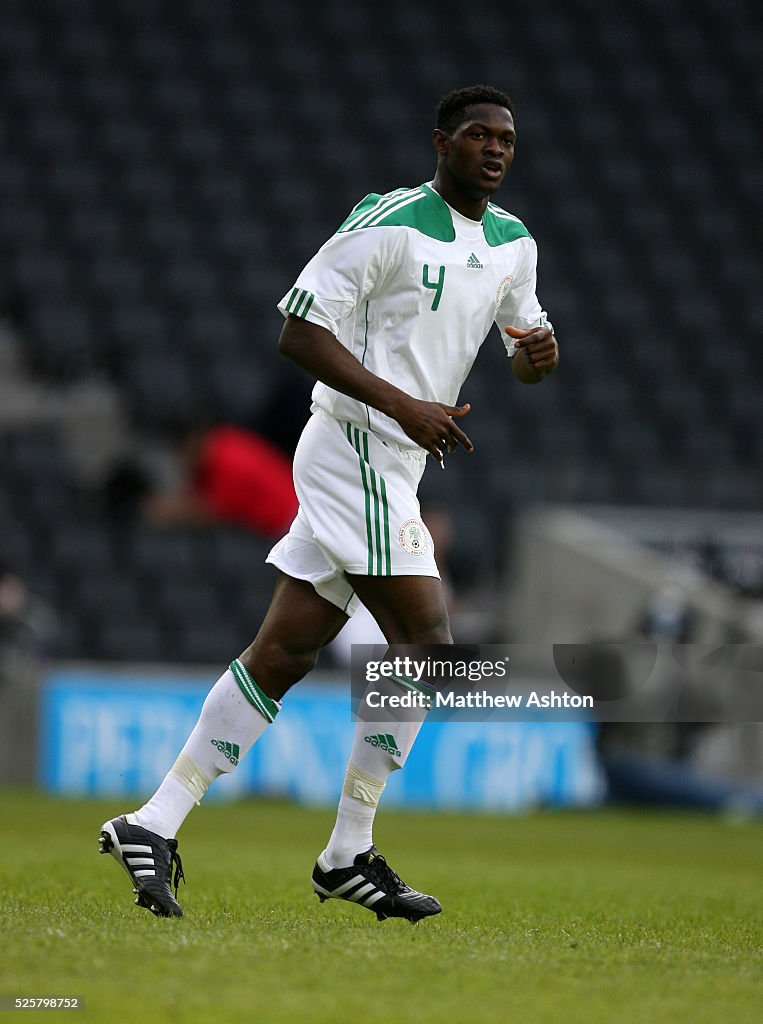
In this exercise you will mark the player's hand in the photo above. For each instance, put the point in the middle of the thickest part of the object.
(539, 346)
(431, 425)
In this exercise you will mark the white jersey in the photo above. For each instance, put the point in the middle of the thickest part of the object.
(411, 287)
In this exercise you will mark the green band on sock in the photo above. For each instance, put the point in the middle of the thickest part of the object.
(408, 684)
(266, 706)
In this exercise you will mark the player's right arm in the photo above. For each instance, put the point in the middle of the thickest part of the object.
(318, 351)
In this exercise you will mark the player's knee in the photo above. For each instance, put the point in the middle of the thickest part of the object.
(439, 634)
(429, 628)
(430, 624)
(289, 663)
(276, 666)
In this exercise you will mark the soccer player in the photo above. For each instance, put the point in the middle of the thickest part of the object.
(388, 316)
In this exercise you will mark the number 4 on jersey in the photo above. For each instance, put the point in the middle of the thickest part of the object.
(435, 285)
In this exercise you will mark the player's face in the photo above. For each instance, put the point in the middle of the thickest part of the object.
(480, 150)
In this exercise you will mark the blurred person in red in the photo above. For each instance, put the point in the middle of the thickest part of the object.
(232, 475)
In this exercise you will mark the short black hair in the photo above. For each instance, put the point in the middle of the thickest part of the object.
(451, 110)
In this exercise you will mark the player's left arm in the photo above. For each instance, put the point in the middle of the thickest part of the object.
(536, 353)
(533, 347)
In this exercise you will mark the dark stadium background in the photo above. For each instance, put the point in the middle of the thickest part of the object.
(166, 168)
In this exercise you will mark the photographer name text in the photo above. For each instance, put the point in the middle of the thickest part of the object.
(479, 699)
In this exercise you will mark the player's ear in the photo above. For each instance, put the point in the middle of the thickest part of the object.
(440, 140)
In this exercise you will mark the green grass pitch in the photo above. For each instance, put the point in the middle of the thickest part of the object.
(596, 918)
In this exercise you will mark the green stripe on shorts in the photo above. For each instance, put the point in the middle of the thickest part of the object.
(376, 508)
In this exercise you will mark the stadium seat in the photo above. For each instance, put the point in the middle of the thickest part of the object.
(109, 596)
(127, 639)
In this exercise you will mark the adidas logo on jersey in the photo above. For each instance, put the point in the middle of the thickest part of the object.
(474, 263)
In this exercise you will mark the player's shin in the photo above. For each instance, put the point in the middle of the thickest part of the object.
(235, 714)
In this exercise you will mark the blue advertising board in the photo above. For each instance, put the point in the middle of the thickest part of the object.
(115, 734)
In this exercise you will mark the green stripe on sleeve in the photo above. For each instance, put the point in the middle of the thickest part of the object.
(303, 297)
(300, 302)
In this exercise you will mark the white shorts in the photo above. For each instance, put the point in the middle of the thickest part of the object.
(358, 511)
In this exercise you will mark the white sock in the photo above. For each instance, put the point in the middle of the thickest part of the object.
(233, 717)
(379, 748)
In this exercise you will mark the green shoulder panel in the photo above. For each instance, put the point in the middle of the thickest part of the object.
(365, 206)
(418, 208)
(500, 227)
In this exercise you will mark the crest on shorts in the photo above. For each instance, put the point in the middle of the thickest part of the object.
(503, 290)
(414, 537)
